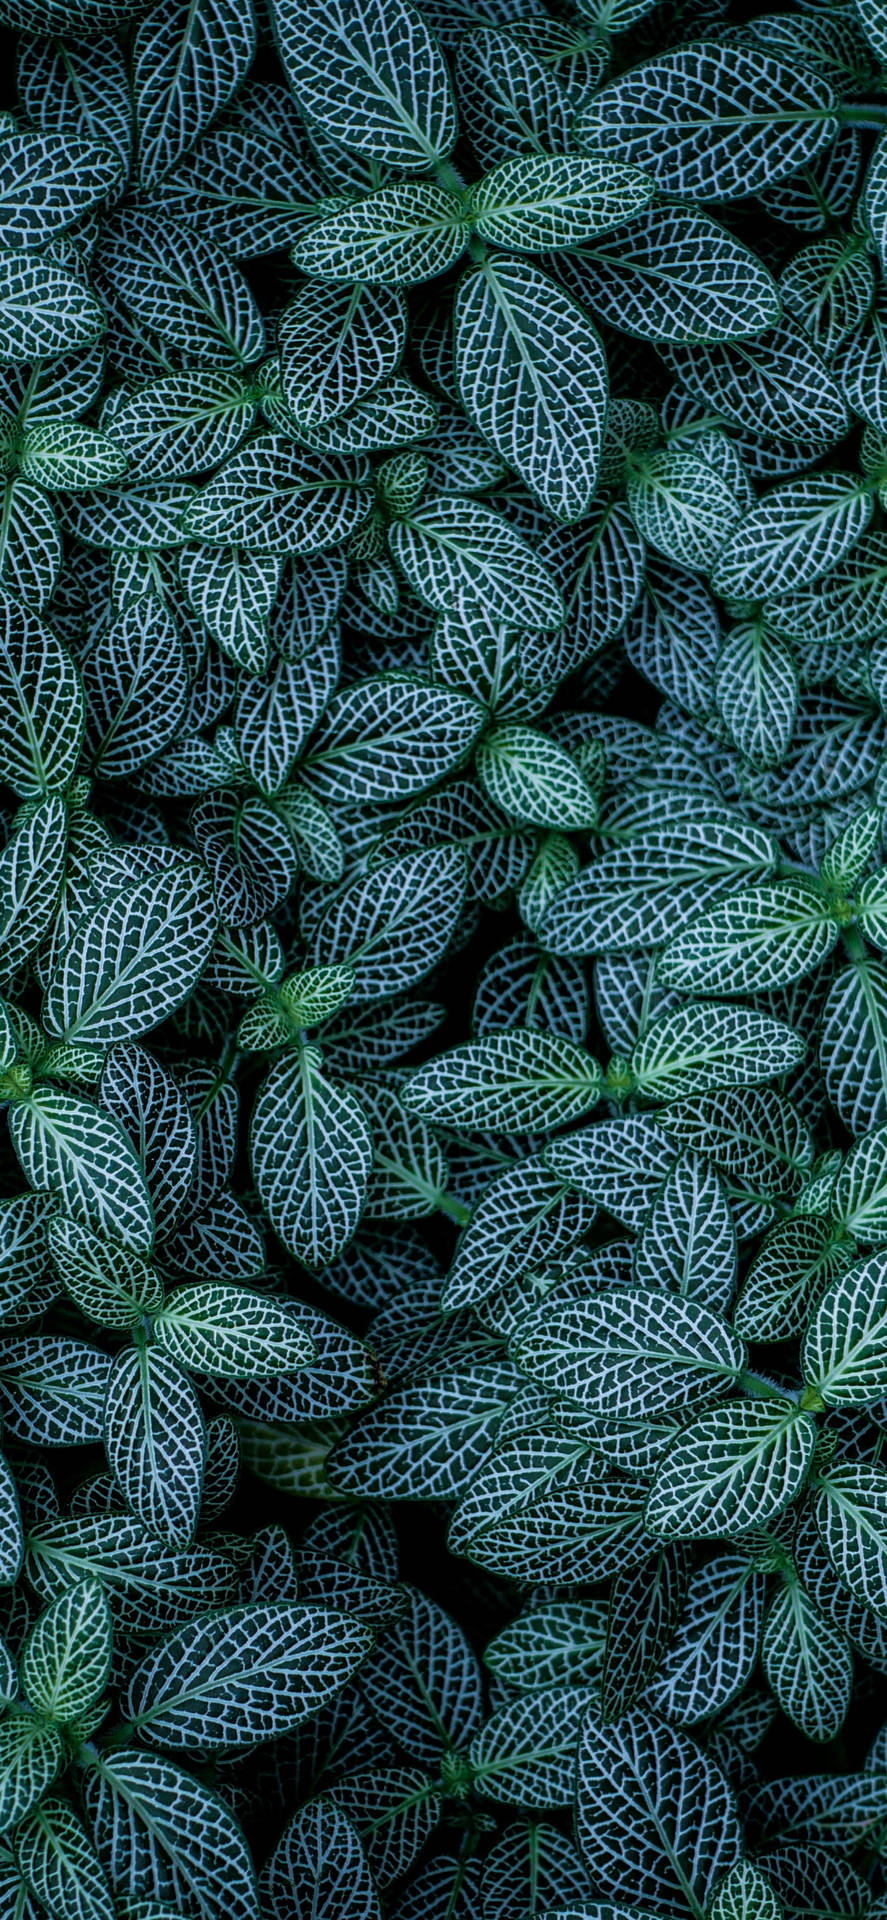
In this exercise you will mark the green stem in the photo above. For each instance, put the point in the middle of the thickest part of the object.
(454, 1209)
(868, 114)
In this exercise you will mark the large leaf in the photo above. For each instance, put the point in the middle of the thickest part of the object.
(732, 1469)
(675, 274)
(69, 1148)
(155, 1441)
(655, 1817)
(311, 1151)
(459, 555)
(182, 1841)
(533, 378)
(41, 703)
(133, 961)
(711, 122)
(510, 1083)
(371, 75)
(249, 1674)
(630, 1353)
(188, 60)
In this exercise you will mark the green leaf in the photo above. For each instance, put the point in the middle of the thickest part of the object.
(60, 1865)
(853, 1045)
(45, 309)
(533, 379)
(131, 963)
(136, 685)
(460, 556)
(509, 1083)
(763, 938)
(371, 75)
(311, 1152)
(845, 1351)
(68, 1147)
(860, 1196)
(631, 1353)
(67, 1656)
(188, 60)
(550, 1644)
(699, 1047)
(808, 1664)
(232, 1333)
(534, 780)
(745, 1893)
(850, 1510)
(674, 274)
(392, 926)
(682, 507)
(655, 1816)
(337, 345)
(641, 893)
(711, 122)
(793, 536)
(539, 204)
(41, 704)
(276, 498)
(732, 1469)
(47, 181)
(688, 1241)
(155, 1442)
(756, 687)
(249, 1674)
(188, 1846)
(397, 237)
(525, 1754)
(31, 1756)
(389, 738)
(32, 868)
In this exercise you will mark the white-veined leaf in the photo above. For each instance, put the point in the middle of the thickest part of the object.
(133, 961)
(753, 941)
(188, 60)
(41, 704)
(808, 1664)
(155, 1442)
(732, 1469)
(397, 237)
(372, 75)
(850, 1510)
(233, 1333)
(459, 555)
(509, 1083)
(711, 122)
(533, 379)
(540, 204)
(845, 1351)
(274, 497)
(696, 1048)
(182, 1843)
(66, 1659)
(675, 274)
(392, 926)
(311, 1151)
(630, 1353)
(69, 1148)
(655, 1816)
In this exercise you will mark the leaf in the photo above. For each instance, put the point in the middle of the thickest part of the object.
(711, 122)
(387, 739)
(59, 1864)
(808, 1664)
(187, 1846)
(845, 1351)
(150, 1587)
(756, 688)
(698, 1047)
(643, 892)
(276, 498)
(425, 1442)
(44, 309)
(792, 537)
(853, 1045)
(423, 1683)
(539, 204)
(620, 1164)
(397, 237)
(765, 937)
(688, 1242)
(534, 780)
(655, 1817)
(248, 1674)
(675, 274)
(533, 380)
(745, 1891)
(525, 1753)
(232, 1332)
(337, 345)
(188, 61)
(850, 1510)
(716, 1643)
(554, 1642)
(319, 1861)
(41, 703)
(68, 1147)
(181, 290)
(512, 1082)
(32, 1754)
(153, 1111)
(135, 960)
(372, 76)
(32, 868)
(67, 1656)
(732, 1469)
(682, 507)
(392, 926)
(155, 1442)
(629, 1354)
(459, 555)
(311, 1152)
(524, 1216)
(136, 687)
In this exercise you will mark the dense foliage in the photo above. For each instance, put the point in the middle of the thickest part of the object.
(443, 958)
